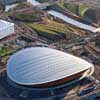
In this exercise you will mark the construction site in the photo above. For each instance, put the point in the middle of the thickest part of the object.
(56, 24)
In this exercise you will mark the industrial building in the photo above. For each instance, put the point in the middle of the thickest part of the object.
(6, 29)
(45, 67)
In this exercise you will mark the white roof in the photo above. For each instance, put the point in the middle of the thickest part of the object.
(72, 21)
(5, 24)
(34, 2)
(40, 65)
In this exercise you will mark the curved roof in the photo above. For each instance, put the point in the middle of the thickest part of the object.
(40, 65)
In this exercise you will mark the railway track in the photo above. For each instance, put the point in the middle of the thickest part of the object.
(89, 94)
(93, 93)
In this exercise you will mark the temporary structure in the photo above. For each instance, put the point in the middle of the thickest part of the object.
(6, 29)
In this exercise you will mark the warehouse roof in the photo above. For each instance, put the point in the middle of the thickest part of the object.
(6, 29)
(40, 65)
(5, 24)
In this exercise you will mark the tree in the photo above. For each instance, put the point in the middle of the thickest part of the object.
(90, 3)
(61, 2)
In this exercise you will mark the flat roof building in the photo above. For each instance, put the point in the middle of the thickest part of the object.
(45, 67)
(6, 29)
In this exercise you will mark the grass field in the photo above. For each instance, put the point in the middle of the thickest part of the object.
(80, 10)
(5, 51)
(54, 29)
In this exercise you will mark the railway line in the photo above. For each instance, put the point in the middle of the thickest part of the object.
(93, 93)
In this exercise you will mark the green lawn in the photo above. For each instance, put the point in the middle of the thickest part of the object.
(42, 28)
(71, 7)
(50, 28)
(5, 51)
(27, 16)
(53, 29)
